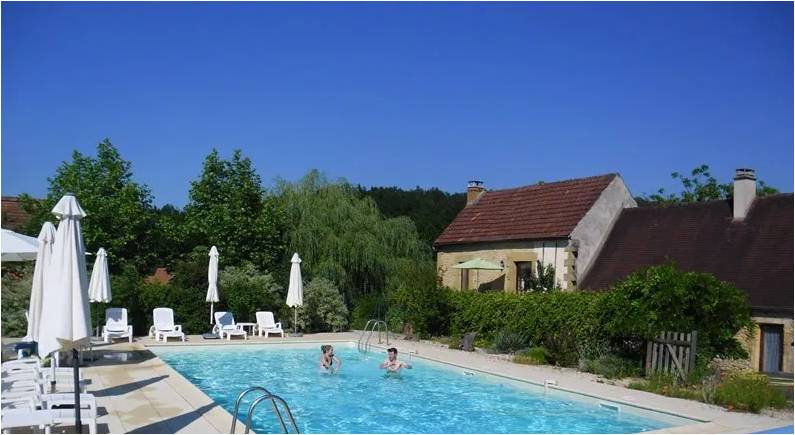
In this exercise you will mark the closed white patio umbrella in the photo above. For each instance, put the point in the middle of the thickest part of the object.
(43, 257)
(18, 247)
(295, 292)
(212, 279)
(99, 286)
(65, 321)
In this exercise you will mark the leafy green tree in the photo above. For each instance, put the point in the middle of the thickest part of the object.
(700, 186)
(343, 237)
(228, 208)
(119, 210)
(431, 210)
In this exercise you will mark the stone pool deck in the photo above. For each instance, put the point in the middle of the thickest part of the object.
(138, 393)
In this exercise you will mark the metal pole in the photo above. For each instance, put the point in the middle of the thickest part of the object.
(295, 322)
(76, 372)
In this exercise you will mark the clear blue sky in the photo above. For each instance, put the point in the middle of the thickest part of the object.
(400, 94)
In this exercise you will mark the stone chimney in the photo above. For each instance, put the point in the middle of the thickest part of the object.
(474, 190)
(744, 192)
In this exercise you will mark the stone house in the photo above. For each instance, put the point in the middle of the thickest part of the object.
(561, 223)
(747, 241)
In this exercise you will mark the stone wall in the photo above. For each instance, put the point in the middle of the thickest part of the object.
(751, 342)
(548, 251)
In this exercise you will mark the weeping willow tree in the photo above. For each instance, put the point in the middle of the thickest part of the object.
(342, 236)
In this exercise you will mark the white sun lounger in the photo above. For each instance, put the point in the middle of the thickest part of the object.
(25, 412)
(164, 326)
(116, 325)
(225, 325)
(268, 325)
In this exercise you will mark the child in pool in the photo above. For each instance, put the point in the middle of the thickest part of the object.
(327, 359)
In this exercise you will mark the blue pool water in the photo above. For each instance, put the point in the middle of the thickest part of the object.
(430, 398)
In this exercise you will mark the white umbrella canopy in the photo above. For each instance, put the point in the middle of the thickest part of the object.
(99, 286)
(212, 279)
(43, 256)
(295, 292)
(65, 323)
(65, 313)
(18, 247)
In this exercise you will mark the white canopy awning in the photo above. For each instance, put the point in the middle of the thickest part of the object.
(18, 247)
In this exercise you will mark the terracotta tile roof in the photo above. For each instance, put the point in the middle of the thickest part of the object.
(14, 217)
(540, 211)
(160, 276)
(755, 254)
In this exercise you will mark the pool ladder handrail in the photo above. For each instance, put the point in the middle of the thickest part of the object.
(266, 395)
(364, 345)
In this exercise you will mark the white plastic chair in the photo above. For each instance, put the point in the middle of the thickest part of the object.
(267, 324)
(225, 325)
(116, 325)
(164, 325)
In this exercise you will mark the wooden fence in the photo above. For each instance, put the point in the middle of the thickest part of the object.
(672, 352)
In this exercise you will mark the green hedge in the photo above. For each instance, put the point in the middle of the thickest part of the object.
(572, 325)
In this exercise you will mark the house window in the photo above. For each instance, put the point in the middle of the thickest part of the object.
(524, 271)
(464, 279)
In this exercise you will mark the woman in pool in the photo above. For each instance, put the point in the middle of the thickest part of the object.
(327, 359)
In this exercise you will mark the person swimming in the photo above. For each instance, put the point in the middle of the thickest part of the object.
(392, 364)
(327, 359)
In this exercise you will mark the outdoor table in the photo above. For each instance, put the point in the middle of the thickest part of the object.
(248, 325)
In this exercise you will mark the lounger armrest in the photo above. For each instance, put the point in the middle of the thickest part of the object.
(278, 325)
(129, 330)
(178, 328)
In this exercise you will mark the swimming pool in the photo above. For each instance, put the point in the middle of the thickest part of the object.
(431, 398)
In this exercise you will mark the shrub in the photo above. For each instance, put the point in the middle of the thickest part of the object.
(367, 307)
(663, 298)
(532, 356)
(508, 341)
(749, 392)
(612, 366)
(244, 290)
(323, 309)
(426, 308)
(16, 283)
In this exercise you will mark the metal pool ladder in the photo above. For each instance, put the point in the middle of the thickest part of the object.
(264, 395)
(364, 340)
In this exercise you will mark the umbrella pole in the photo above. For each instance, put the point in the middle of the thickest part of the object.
(76, 372)
(211, 312)
(295, 322)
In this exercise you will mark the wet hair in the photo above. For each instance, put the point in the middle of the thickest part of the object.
(325, 348)
(393, 350)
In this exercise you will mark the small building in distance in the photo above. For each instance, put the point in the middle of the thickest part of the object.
(562, 224)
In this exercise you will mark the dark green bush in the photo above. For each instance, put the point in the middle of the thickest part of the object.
(427, 309)
(367, 307)
(532, 356)
(508, 341)
(17, 280)
(664, 298)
